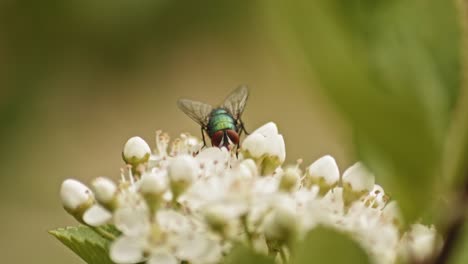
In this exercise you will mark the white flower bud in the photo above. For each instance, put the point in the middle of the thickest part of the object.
(357, 181)
(266, 147)
(359, 178)
(281, 224)
(76, 198)
(391, 213)
(182, 171)
(104, 189)
(220, 218)
(136, 151)
(250, 165)
(245, 170)
(324, 173)
(153, 183)
(419, 243)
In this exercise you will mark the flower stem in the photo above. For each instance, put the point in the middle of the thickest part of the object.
(283, 256)
(455, 227)
(246, 229)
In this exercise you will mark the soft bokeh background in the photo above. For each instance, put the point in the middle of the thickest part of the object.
(78, 78)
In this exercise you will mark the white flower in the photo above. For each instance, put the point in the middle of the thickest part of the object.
(266, 147)
(192, 205)
(76, 197)
(172, 237)
(187, 144)
(136, 151)
(132, 217)
(213, 161)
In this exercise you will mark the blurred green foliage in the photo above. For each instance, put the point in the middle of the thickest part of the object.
(243, 254)
(394, 71)
(325, 245)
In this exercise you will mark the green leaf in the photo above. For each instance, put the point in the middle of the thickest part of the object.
(86, 243)
(323, 245)
(394, 72)
(242, 254)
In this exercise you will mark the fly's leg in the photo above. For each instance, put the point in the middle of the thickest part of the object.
(243, 127)
(203, 136)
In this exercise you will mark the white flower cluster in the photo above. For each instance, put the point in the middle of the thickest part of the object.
(178, 203)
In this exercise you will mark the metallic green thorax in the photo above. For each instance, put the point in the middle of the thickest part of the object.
(220, 119)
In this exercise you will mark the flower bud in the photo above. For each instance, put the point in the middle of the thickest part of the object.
(247, 169)
(152, 186)
(104, 189)
(266, 147)
(76, 198)
(280, 224)
(136, 151)
(220, 219)
(324, 173)
(182, 171)
(357, 181)
(290, 179)
(419, 243)
(392, 214)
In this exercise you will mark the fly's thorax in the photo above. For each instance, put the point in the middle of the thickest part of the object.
(220, 119)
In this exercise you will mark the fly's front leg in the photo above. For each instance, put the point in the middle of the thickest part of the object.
(203, 136)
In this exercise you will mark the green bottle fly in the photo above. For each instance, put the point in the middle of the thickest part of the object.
(223, 124)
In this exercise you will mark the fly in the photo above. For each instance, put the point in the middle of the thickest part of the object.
(223, 124)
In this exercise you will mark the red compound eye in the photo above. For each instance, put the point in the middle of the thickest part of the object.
(217, 138)
(233, 136)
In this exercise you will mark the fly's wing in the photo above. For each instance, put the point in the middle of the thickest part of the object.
(235, 102)
(199, 112)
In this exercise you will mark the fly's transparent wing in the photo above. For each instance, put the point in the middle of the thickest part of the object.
(235, 102)
(199, 112)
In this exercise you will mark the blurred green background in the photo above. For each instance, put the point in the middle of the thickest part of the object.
(78, 78)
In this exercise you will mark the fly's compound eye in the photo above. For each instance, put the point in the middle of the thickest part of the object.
(217, 138)
(233, 136)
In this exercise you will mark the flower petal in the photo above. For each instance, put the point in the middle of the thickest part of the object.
(97, 215)
(162, 257)
(127, 250)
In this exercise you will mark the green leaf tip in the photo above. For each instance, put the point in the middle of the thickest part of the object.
(245, 255)
(86, 243)
(328, 246)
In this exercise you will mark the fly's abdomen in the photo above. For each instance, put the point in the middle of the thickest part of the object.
(220, 120)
